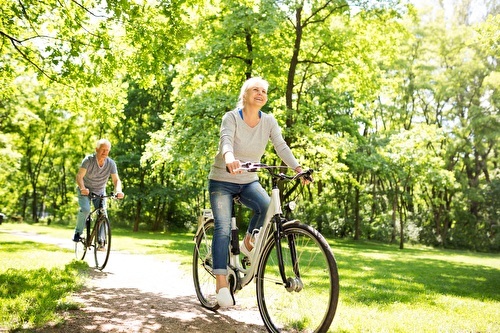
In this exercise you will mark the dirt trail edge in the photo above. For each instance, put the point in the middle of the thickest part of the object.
(140, 293)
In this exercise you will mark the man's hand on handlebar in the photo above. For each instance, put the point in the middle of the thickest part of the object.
(119, 195)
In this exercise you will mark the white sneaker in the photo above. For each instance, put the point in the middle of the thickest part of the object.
(255, 237)
(253, 240)
(244, 250)
(224, 298)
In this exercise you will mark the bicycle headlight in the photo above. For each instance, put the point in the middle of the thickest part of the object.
(291, 205)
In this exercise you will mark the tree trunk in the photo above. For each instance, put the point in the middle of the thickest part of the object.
(137, 217)
(357, 223)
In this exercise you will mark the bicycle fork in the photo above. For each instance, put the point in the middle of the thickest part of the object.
(88, 224)
(292, 283)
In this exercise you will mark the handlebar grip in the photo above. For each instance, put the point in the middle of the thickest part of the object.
(245, 166)
(307, 175)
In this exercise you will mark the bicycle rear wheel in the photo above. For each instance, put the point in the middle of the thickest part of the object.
(309, 305)
(204, 279)
(102, 242)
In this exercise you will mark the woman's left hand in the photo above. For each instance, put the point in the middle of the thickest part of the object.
(303, 180)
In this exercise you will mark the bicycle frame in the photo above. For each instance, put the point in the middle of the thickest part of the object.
(292, 263)
(98, 235)
(244, 275)
(100, 211)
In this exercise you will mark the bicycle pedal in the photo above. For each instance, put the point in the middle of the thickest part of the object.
(246, 262)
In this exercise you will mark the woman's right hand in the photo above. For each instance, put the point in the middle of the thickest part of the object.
(232, 164)
(233, 167)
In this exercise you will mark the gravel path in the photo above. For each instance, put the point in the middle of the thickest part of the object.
(139, 293)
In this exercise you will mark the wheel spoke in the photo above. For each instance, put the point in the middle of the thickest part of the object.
(309, 303)
(102, 243)
(203, 277)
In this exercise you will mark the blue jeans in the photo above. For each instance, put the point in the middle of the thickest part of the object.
(84, 211)
(252, 195)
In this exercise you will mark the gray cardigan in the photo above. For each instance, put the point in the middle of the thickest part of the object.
(248, 145)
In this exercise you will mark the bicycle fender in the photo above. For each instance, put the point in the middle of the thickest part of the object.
(292, 222)
(200, 227)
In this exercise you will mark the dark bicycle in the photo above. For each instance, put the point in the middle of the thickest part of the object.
(99, 237)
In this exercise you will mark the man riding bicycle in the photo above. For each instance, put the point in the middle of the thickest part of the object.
(92, 176)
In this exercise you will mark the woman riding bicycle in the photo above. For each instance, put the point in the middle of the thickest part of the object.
(244, 134)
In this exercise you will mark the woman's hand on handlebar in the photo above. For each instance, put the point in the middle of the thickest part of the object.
(232, 164)
(306, 179)
(234, 167)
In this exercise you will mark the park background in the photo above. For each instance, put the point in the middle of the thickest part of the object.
(395, 107)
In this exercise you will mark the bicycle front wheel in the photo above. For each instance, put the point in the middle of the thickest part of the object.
(102, 242)
(309, 300)
(203, 277)
(81, 246)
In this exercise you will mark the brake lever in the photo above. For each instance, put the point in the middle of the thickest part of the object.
(306, 175)
(247, 166)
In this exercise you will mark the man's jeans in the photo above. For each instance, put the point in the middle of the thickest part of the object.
(84, 203)
(252, 195)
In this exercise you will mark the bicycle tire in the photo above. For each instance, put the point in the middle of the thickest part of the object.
(313, 307)
(203, 278)
(80, 246)
(102, 242)
(80, 250)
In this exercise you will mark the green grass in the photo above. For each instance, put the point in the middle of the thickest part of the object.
(35, 282)
(175, 246)
(382, 288)
(418, 289)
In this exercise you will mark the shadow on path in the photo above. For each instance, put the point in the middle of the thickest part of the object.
(141, 293)
(130, 310)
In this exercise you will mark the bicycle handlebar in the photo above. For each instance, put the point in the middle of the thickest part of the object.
(254, 167)
(95, 196)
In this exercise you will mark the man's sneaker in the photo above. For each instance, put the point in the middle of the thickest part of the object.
(76, 237)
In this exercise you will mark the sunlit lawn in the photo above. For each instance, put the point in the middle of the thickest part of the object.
(35, 281)
(382, 288)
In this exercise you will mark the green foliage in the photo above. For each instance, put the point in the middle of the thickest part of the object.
(396, 110)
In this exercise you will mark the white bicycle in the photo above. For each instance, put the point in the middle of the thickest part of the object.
(295, 271)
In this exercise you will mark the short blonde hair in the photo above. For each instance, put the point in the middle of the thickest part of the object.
(250, 83)
(103, 142)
